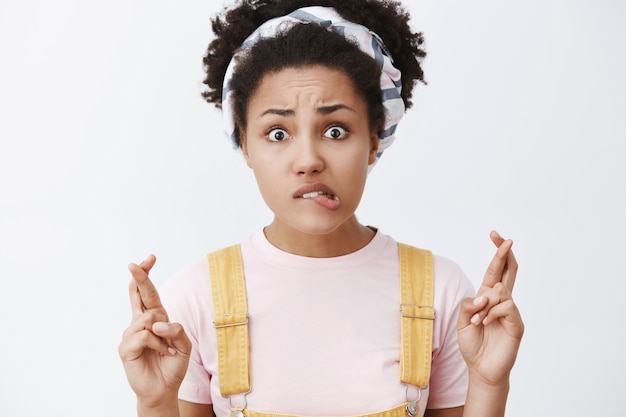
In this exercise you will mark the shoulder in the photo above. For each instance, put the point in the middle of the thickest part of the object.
(450, 280)
(187, 293)
(448, 270)
(188, 276)
(189, 289)
(451, 283)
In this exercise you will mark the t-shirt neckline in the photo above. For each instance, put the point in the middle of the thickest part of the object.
(273, 255)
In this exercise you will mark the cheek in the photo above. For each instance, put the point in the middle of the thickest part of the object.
(264, 170)
(355, 171)
(259, 162)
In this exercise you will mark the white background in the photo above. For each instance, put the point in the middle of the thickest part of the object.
(108, 153)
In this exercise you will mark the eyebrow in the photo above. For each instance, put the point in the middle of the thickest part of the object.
(321, 110)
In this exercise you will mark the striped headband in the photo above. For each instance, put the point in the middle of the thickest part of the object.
(368, 41)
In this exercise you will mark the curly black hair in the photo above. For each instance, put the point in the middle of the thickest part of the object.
(386, 18)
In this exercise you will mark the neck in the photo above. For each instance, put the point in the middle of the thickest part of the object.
(349, 237)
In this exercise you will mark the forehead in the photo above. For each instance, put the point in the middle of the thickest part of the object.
(302, 86)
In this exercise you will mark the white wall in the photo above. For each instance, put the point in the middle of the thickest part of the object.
(107, 153)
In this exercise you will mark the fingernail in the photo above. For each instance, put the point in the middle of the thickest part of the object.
(475, 318)
(171, 350)
(478, 300)
(160, 327)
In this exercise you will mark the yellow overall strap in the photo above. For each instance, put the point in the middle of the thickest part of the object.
(418, 314)
(231, 319)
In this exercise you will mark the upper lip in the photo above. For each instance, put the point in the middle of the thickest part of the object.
(309, 188)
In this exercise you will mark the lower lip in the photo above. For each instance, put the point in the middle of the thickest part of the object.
(322, 200)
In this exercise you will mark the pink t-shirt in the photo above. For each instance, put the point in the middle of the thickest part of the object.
(324, 332)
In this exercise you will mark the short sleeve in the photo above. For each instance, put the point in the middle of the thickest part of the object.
(184, 297)
(449, 379)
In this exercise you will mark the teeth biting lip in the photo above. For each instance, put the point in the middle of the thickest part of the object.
(314, 194)
(314, 190)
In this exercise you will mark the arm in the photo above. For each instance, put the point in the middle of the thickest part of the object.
(490, 330)
(154, 352)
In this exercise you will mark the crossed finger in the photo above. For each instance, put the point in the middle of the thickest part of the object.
(503, 266)
(489, 301)
(143, 294)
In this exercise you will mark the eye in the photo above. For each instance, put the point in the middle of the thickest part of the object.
(336, 132)
(277, 135)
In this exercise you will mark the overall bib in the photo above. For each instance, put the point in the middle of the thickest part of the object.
(231, 325)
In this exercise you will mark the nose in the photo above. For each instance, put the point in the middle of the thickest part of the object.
(307, 158)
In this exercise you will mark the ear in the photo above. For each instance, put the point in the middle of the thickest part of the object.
(244, 148)
(374, 149)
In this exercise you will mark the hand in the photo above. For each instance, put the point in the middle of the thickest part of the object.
(490, 327)
(155, 352)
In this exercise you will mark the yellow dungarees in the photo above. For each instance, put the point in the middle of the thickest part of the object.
(231, 325)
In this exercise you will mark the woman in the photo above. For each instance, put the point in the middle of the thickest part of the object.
(312, 96)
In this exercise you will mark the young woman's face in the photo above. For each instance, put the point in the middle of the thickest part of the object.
(309, 144)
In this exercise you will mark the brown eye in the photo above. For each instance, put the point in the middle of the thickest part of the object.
(277, 135)
(336, 132)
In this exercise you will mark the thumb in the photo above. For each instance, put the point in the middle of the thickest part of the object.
(470, 311)
(175, 334)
